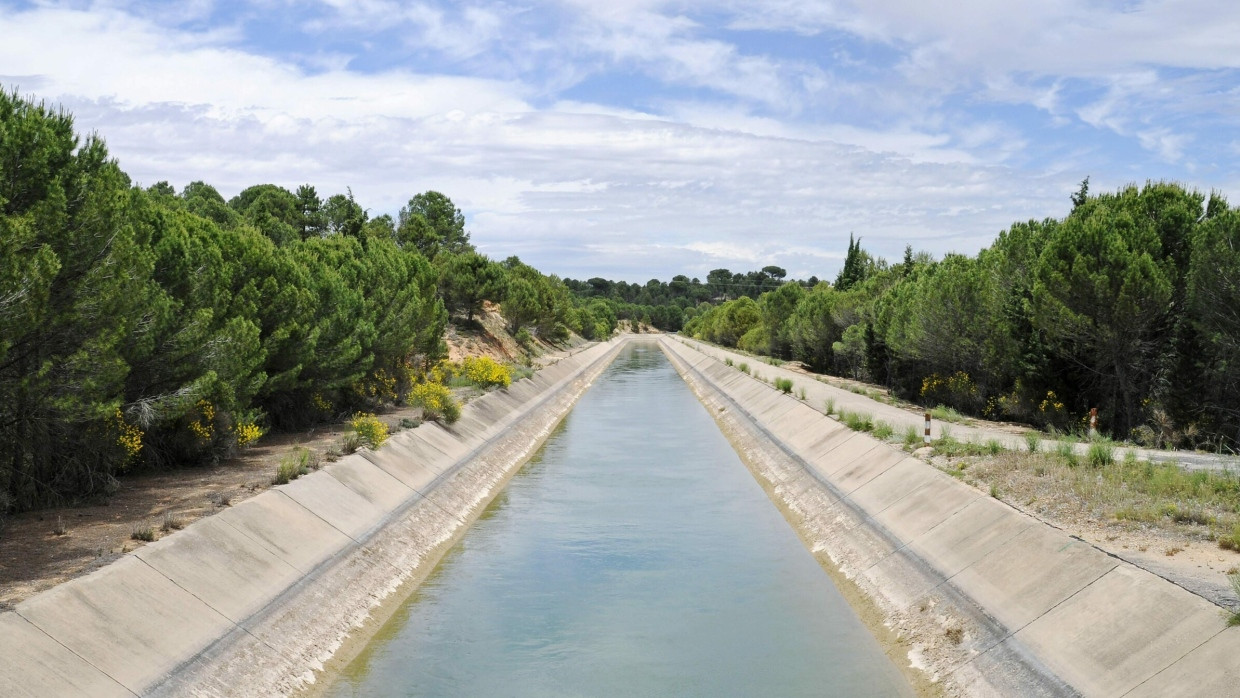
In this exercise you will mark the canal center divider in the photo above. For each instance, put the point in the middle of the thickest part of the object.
(253, 600)
(992, 601)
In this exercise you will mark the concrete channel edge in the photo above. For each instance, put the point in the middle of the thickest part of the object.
(993, 601)
(254, 600)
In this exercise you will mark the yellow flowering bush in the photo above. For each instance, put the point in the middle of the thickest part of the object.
(379, 385)
(321, 403)
(436, 401)
(484, 371)
(957, 390)
(247, 433)
(129, 436)
(204, 426)
(370, 429)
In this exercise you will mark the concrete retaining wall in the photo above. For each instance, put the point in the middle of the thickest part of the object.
(253, 600)
(1038, 612)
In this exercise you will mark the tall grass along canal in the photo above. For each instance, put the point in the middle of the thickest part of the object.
(634, 556)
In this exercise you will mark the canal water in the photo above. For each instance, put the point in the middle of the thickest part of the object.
(634, 556)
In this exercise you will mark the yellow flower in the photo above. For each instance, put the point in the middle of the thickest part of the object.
(247, 433)
(129, 436)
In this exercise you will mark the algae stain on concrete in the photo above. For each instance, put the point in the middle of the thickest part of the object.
(634, 556)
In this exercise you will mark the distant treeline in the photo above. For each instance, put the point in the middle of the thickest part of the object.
(146, 328)
(667, 305)
(1130, 304)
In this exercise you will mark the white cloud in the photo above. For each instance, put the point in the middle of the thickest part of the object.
(578, 188)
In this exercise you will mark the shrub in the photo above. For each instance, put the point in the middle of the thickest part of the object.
(247, 434)
(993, 447)
(744, 368)
(485, 372)
(436, 402)
(784, 385)
(883, 430)
(406, 423)
(727, 361)
(524, 338)
(830, 405)
(370, 429)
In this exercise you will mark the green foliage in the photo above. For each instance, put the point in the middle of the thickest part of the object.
(743, 368)
(883, 430)
(144, 329)
(783, 385)
(468, 279)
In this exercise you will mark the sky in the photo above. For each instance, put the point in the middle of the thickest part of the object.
(639, 139)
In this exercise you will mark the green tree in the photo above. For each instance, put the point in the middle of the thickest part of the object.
(432, 223)
(1101, 294)
(468, 279)
(74, 280)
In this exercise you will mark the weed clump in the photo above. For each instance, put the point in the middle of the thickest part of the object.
(1033, 441)
(1101, 454)
(293, 466)
(143, 532)
(784, 385)
(883, 430)
(911, 437)
(857, 421)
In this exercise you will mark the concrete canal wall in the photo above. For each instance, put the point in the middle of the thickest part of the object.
(253, 600)
(990, 600)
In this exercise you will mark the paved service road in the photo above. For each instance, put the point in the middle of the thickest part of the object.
(817, 393)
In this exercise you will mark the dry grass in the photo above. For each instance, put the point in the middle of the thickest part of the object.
(1126, 490)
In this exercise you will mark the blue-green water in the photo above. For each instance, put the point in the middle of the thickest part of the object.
(635, 556)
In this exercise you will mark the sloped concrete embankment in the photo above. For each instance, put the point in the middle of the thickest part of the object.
(253, 600)
(992, 602)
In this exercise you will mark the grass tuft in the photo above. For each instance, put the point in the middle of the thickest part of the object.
(912, 436)
(883, 430)
(1101, 454)
(293, 466)
(172, 522)
(1033, 441)
(784, 385)
(943, 413)
(143, 532)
